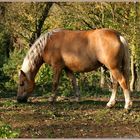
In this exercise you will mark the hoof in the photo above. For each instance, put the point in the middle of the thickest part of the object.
(52, 99)
(128, 106)
(127, 110)
(109, 107)
(77, 99)
(110, 104)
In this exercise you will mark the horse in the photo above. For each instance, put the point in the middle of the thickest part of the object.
(77, 51)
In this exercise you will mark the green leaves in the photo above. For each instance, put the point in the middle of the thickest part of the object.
(6, 131)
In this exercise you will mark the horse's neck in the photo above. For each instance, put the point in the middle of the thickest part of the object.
(33, 60)
(35, 71)
(29, 70)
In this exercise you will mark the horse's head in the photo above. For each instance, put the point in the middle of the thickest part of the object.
(25, 87)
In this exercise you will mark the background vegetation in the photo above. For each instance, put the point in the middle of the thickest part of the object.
(22, 23)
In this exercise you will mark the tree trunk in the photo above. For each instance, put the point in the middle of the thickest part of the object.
(133, 66)
(133, 74)
(102, 80)
(40, 22)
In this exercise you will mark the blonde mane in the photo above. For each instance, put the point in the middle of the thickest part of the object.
(34, 55)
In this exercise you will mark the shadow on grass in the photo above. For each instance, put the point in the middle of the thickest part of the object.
(89, 104)
(92, 102)
(86, 102)
(68, 105)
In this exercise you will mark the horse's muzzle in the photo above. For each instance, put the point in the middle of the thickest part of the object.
(21, 99)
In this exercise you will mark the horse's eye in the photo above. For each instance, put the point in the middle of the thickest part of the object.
(22, 84)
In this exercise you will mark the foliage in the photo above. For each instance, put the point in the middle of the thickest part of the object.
(11, 68)
(6, 131)
(22, 20)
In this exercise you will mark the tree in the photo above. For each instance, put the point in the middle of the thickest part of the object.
(40, 20)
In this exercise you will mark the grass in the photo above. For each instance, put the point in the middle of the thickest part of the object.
(67, 119)
(6, 131)
(88, 118)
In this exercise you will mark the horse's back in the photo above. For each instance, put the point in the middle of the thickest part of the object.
(89, 49)
(85, 50)
(76, 51)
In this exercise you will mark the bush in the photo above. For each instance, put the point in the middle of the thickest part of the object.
(11, 68)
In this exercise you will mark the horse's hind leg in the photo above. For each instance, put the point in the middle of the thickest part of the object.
(117, 74)
(70, 74)
(56, 76)
(112, 100)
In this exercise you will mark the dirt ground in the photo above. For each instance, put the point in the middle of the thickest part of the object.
(88, 118)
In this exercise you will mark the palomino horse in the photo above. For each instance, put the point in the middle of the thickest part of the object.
(77, 51)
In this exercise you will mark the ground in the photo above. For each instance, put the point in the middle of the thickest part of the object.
(88, 118)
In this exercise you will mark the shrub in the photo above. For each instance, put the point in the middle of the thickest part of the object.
(11, 68)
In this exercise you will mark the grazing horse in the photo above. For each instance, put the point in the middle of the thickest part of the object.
(77, 51)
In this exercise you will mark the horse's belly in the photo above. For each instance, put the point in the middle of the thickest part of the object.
(79, 64)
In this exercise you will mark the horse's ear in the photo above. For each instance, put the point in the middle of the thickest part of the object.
(22, 74)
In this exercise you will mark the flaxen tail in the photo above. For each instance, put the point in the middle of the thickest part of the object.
(126, 59)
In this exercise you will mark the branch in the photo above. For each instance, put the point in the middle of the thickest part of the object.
(88, 24)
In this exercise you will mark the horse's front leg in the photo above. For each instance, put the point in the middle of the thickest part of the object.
(56, 76)
(72, 77)
(112, 100)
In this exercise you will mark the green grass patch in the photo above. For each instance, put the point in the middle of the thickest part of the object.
(6, 131)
